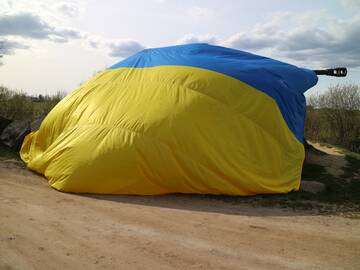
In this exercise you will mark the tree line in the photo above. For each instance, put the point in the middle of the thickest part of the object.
(334, 116)
(17, 105)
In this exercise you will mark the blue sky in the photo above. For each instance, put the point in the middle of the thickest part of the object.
(52, 46)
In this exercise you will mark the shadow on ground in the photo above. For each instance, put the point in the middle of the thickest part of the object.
(341, 196)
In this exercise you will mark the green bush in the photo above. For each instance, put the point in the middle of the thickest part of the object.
(16, 105)
(334, 116)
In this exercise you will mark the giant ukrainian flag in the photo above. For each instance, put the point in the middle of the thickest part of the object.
(183, 119)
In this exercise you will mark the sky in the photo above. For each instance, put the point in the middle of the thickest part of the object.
(52, 46)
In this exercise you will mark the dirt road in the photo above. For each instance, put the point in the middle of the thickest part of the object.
(41, 228)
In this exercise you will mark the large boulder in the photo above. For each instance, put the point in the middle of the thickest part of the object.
(355, 146)
(35, 125)
(4, 122)
(14, 134)
(313, 187)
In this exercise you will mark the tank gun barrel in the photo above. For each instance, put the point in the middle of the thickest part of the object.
(336, 72)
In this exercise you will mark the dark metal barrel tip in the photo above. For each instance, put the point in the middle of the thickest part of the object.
(337, 72)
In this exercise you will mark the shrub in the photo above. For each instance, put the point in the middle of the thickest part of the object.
(334, 116)
(16, 105)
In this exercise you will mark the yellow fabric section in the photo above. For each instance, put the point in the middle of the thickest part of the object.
(166, 129)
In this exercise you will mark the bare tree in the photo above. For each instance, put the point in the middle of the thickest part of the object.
(340, 108)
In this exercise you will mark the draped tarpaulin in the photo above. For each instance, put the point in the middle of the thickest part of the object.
(190, 119)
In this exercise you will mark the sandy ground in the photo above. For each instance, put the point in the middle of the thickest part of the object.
(334, 161)
(41, 228)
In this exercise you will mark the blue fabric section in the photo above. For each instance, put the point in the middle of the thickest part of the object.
(283, 82)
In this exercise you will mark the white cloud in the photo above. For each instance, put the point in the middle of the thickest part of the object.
(124, 48)
(190, 38)
(6, 5)
(306, 39)
(8, 47)
(28, 25)
(69, 9)
(95, 42)
(119, 48)
(351, 5)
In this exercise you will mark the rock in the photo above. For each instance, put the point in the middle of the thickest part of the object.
(14, 134)
(355, 146)
(312, 186)
(4, 122)
(35, 125)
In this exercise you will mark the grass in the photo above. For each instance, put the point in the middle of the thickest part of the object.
(7, 153)
(342, 194)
